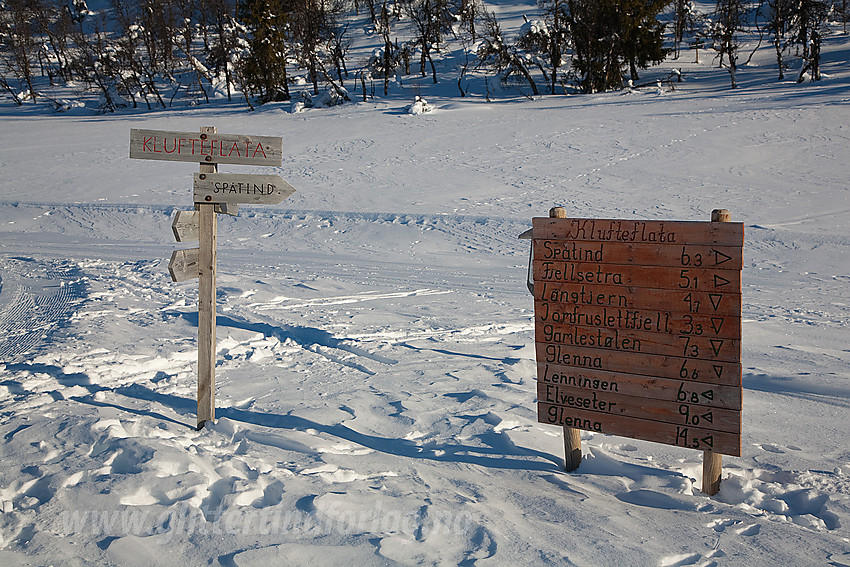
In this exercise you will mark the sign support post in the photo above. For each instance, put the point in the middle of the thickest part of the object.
(572, 436)
(207, 225)
(712, 463)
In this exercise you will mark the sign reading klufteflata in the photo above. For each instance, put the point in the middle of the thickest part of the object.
(206, 148)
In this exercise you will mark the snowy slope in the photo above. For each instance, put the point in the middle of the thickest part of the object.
(376, 376)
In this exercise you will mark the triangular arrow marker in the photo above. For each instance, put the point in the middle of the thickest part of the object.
(708, 394)
(715, 300)
(720, 281)
(717, 255)
(184, 264)
(708, 440)
(718, 370)
(716, 345)
(708, 417)
(717, 324)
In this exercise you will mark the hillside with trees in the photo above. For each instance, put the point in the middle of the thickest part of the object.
(159, 53)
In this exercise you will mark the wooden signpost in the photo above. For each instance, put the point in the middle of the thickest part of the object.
(213, 193)
(638, 331)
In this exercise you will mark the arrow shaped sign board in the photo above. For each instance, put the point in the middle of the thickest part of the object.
(241, 188)
(184, 265)
(185, 226)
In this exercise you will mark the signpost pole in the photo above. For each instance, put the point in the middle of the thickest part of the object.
(206, 300)
(572, 436)
(712, 463)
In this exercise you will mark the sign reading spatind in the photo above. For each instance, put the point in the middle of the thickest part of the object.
(638, 329)
(241, 188)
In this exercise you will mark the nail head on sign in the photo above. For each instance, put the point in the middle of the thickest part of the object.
(209, 158)
(202, 176)
(203, 136)
(208, 198)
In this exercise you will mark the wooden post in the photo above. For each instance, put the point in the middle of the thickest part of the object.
(572, 437)
(206, 301)
(712, 463)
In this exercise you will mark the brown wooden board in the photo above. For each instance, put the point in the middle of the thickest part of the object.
(607, 404)
(646, 342)
(674, 301)
(206, 148)
(727, 327)
(637, 428)
(708, 371)
(649, 307)
(673, 255)
(669, 389)
(654, 277)
(640, 231)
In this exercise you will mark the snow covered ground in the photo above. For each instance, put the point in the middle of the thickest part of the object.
(376, 376)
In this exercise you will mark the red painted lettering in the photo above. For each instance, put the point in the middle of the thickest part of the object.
(165, 146)
(145, 141)
(234, 148)
(260, 150)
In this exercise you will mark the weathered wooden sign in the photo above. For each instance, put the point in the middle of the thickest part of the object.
(185, 226)
(638, 329)
(235, 188)
(206, 147)
(184, 264)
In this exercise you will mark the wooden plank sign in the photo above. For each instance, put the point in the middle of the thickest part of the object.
(206, 147)
(241, 188)
(184, 265)
(185, 226)
(638, 329)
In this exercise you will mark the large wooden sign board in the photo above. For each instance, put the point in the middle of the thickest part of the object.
(638, 329)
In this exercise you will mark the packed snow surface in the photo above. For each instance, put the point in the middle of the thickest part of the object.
(375, 365)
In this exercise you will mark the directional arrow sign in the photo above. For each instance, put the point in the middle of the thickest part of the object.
(184, 265)
(185, 226)
(241, 188)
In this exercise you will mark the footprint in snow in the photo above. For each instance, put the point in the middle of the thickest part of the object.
(751, 530)
(720, 525)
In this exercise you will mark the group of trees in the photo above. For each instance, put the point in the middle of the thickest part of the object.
(150, 51)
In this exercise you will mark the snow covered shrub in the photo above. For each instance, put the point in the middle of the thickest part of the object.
(419, 106)
(325, 99)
